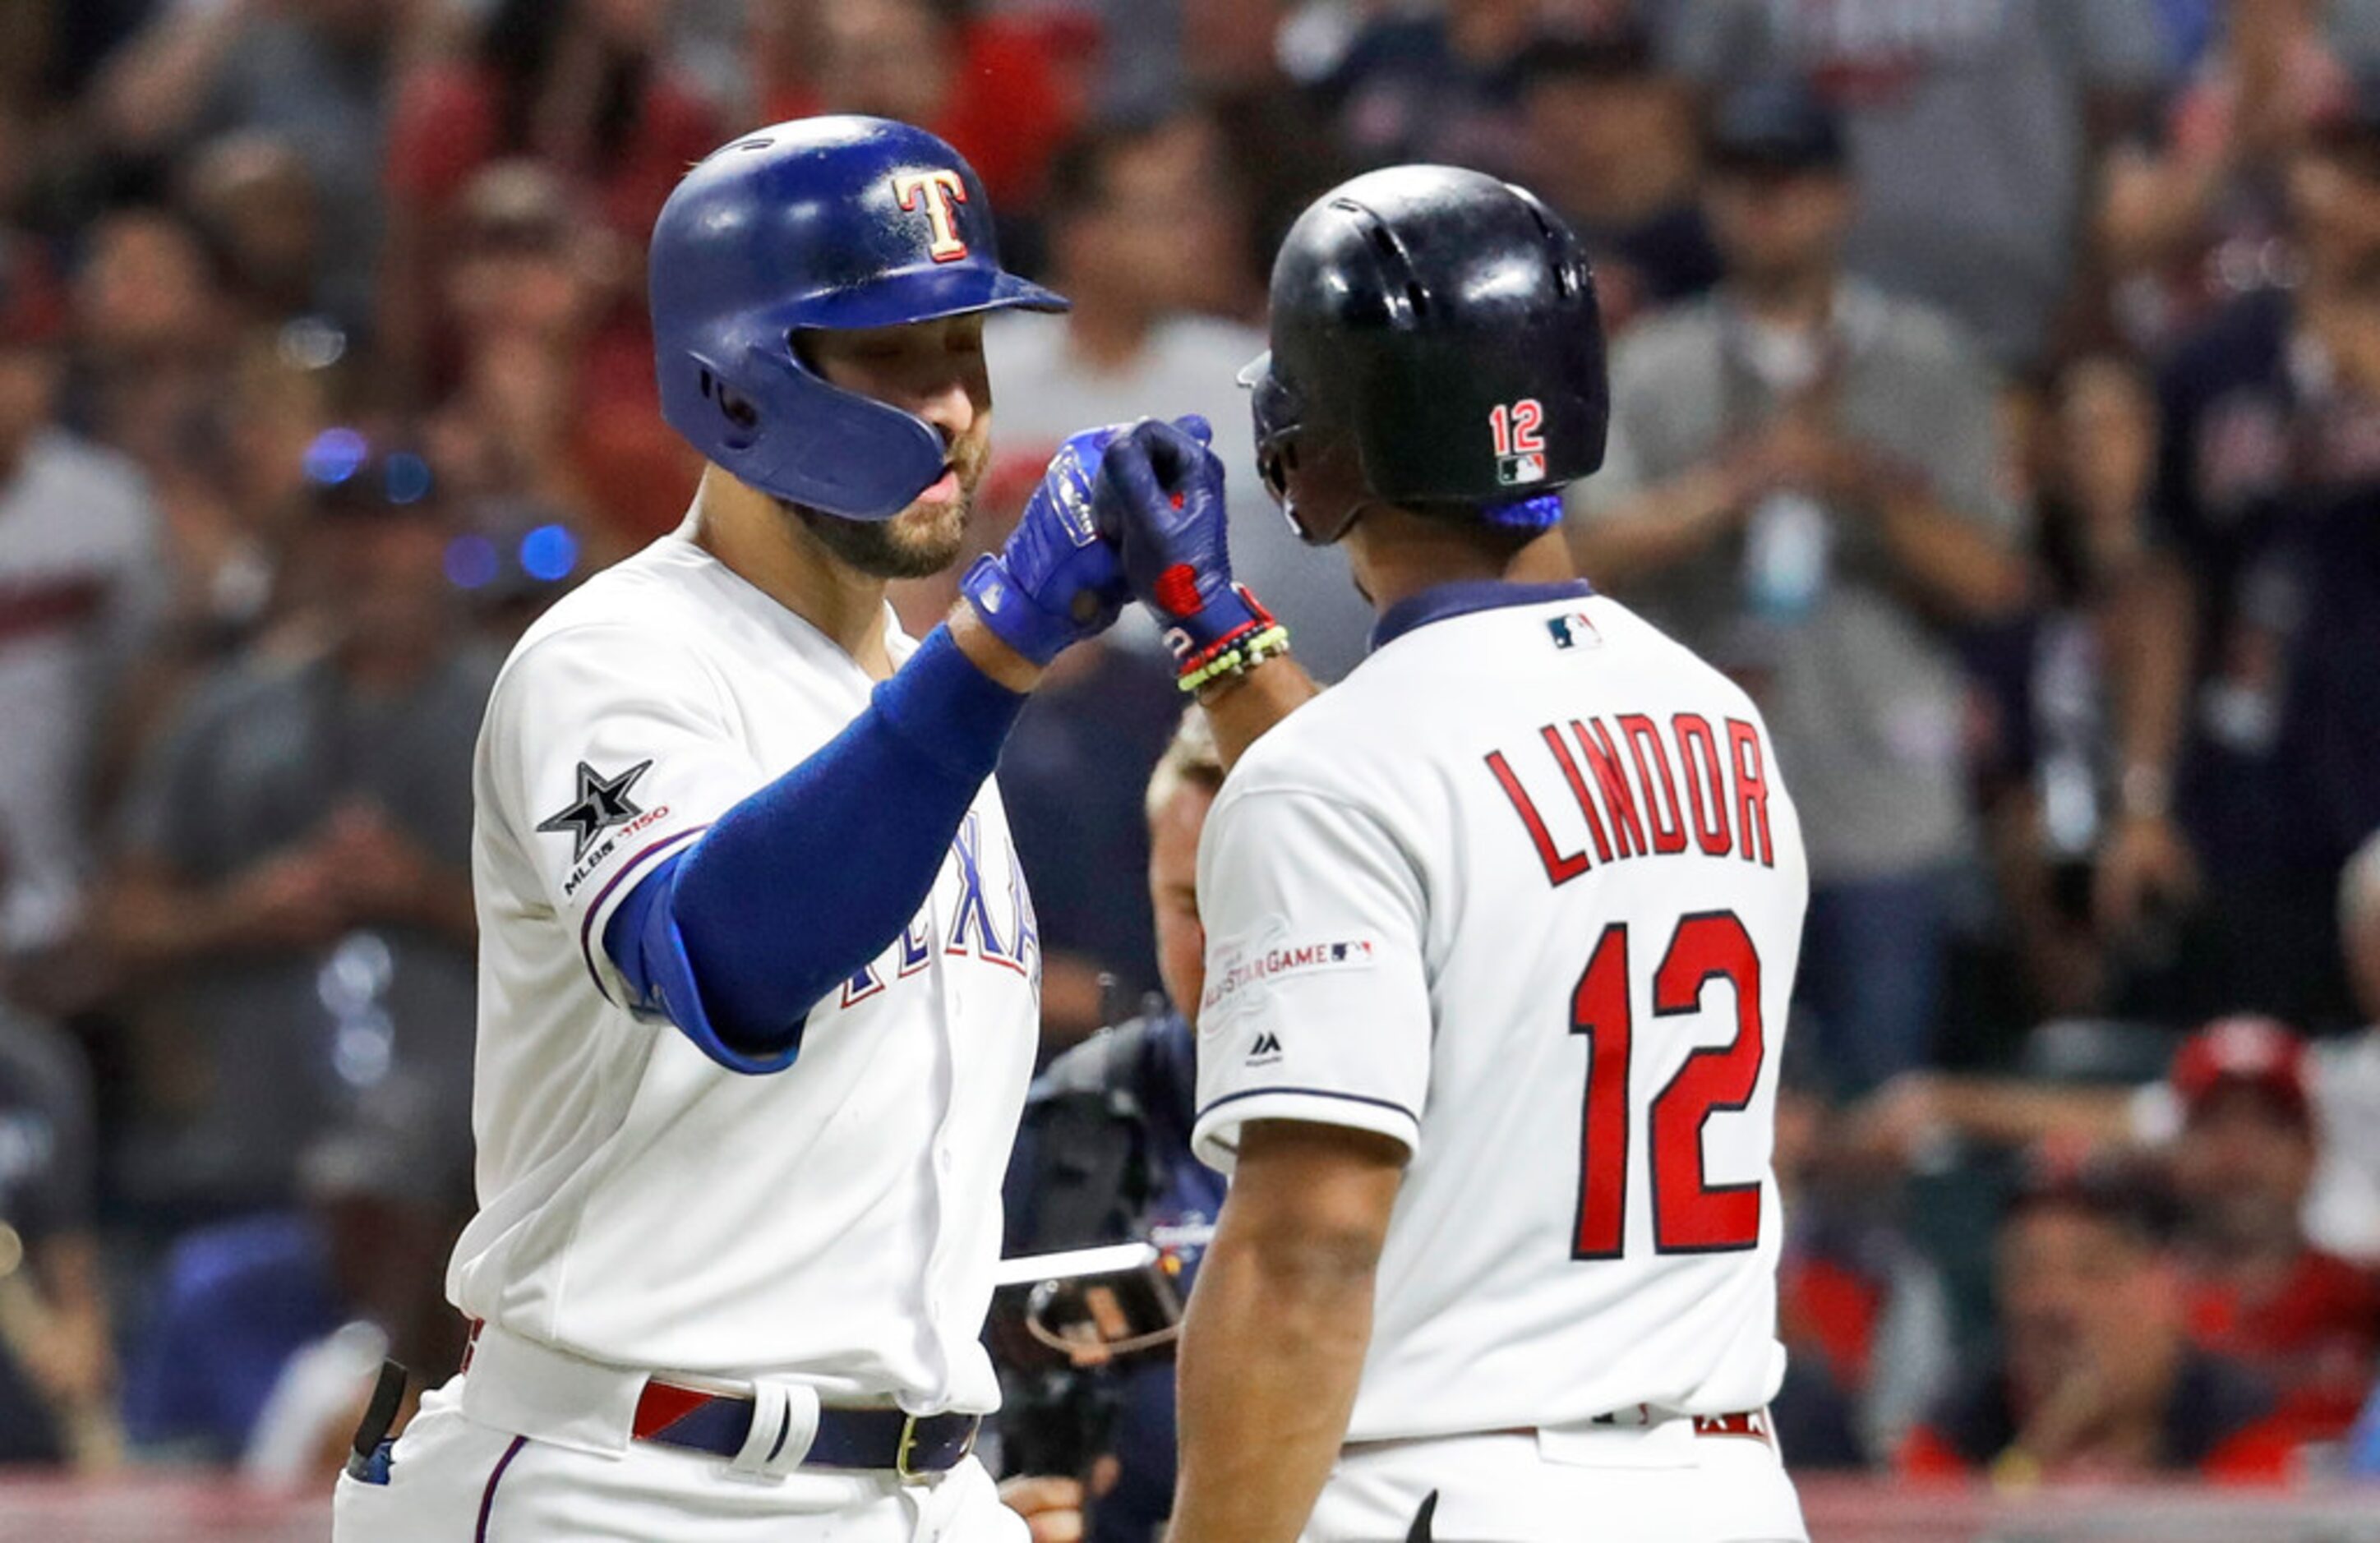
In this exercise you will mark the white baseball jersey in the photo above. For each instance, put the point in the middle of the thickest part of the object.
(641, 1204)
(82, 583)
(1524, 894)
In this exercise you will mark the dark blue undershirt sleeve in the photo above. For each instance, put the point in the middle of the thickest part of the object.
(793, 891)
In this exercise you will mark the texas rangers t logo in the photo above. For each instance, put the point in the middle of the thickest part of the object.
(940, 189)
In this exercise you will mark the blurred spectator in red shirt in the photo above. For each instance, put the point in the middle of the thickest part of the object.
(2095, 1377)
(2257, 1290)
(2340, 1076)
(1862, 1315)
(582, 85)
(551, 409)
(986, 84)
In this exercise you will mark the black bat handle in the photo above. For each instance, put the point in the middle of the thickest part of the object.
(377, 1417)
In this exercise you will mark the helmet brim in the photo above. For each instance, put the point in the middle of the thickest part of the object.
(924, 295)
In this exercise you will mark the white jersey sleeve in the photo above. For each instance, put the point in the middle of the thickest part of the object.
(1316, 1004)
(605, 753)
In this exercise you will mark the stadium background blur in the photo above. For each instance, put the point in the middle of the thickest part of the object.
(323, 367)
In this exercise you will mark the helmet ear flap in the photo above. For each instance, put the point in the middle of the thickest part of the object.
(767, 418)
(801, 439)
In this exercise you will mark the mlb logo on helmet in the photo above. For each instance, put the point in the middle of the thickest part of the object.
(1516, 470)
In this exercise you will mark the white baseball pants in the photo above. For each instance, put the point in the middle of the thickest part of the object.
(1659, 1484)
(454, 1480)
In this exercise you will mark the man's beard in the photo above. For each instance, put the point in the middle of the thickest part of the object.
(920, 541)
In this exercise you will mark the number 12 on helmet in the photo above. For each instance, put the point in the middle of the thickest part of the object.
(1517, 432)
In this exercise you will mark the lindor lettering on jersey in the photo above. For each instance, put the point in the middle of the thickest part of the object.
(1724, 805)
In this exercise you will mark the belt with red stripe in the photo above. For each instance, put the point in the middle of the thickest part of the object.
(702, 1420)
(1752, 1423)
(722, 1423)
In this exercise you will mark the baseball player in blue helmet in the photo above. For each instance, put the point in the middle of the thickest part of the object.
(759, 973)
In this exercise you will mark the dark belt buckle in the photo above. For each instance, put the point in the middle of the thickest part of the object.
(908, 1447)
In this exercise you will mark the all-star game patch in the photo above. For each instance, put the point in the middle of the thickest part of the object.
(602, 804)
(1240, 968)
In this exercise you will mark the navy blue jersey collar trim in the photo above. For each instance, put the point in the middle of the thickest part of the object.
(1462, 597)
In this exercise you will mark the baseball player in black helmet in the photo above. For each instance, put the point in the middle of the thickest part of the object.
(1501, 932)
(1409, 301)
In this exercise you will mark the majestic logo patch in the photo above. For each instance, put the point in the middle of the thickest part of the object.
(602, 802)
(940, 193)
(1266, 1050)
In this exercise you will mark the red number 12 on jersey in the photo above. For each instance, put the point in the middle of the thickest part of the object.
(1689, 1215)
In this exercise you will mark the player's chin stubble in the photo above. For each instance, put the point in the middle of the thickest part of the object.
(919, 542)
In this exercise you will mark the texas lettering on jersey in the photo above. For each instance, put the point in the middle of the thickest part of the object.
(1639, 788)
(1011, 940)
(972, 931)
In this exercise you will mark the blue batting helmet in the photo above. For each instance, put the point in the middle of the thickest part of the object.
(825, 223)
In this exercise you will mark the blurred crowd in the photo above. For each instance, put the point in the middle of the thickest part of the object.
(1996, 393)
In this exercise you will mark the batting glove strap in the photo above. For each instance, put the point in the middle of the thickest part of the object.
(1246, 644)
(1013, 615)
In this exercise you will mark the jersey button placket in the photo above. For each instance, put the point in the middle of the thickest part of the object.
(948, 975)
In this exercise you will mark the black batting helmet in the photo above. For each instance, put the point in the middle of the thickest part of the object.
(1435, 345)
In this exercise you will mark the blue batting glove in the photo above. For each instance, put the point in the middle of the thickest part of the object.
(1160, 500)
(1055, 582)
